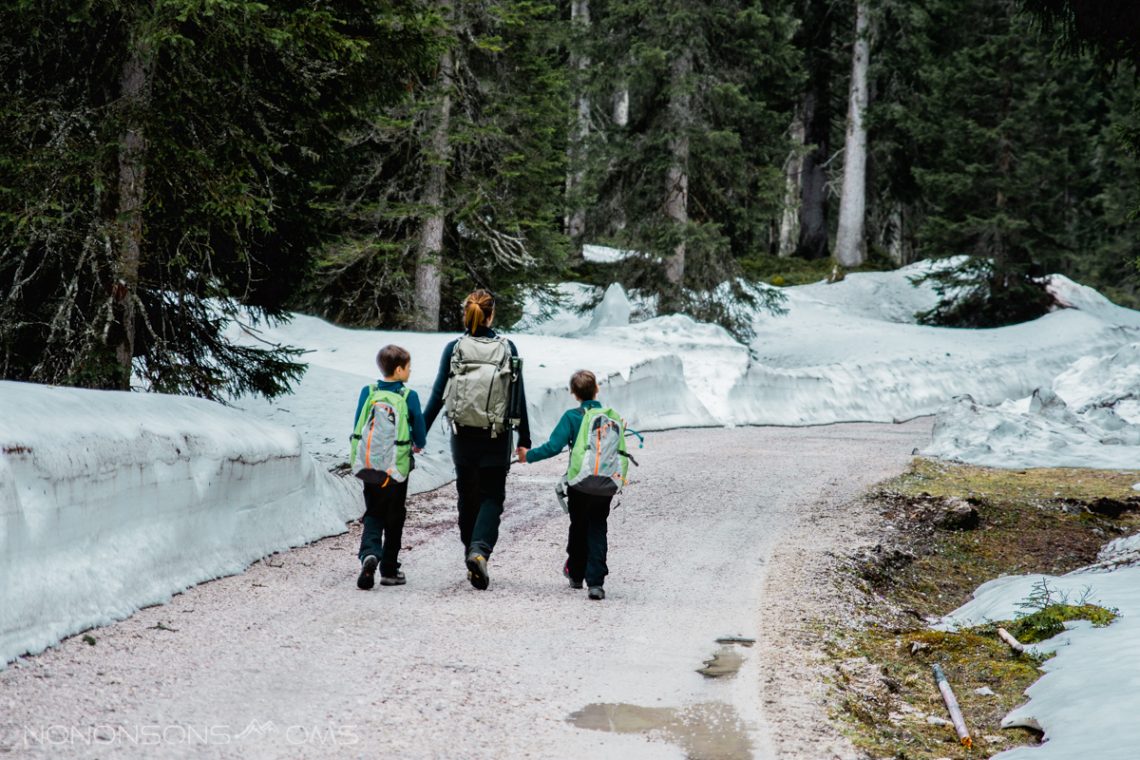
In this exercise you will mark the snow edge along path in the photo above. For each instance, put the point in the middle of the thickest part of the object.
(113, 501)
(1087, 700)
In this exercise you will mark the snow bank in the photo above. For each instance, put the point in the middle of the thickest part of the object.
(1088, 699)
(845, 351)
(828, 361)
(1088, 416)
(112, 501)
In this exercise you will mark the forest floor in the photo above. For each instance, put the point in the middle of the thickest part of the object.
(731, 534)
(945, 529)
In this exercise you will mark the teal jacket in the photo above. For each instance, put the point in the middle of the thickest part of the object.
(565, 432)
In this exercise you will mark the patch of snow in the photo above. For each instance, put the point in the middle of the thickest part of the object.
(884, 296)
(1087, 701)
(1073, 295)
(603, 254)
(1101, 382)
(613, 311)
(1085, 418)
(1120, 551)
(112, 501)
(567, 314)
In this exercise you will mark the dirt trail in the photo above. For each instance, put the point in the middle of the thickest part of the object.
(289, 659)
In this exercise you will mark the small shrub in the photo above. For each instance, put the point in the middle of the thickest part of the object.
(1051, 610)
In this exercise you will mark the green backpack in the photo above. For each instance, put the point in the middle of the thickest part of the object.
(599, 461)
(478, 388)
(383, 429)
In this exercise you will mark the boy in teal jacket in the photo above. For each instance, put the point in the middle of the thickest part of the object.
(586, 544)
(384, 506)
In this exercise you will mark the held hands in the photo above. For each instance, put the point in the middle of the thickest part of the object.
(521, 454)
(416, 449)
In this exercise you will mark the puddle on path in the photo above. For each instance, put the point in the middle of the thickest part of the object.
(705, 731)
(724, 664)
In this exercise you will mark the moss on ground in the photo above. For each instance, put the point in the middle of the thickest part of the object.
(1047, 622)
(1030, 521)
(796, 271)
(1044, 486)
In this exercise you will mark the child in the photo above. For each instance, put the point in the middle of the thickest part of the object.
(586, 545)
(385, 513)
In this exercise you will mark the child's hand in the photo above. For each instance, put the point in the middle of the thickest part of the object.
(522, 454)
(416, 449)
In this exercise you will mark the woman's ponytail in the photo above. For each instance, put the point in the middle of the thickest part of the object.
(478, 309)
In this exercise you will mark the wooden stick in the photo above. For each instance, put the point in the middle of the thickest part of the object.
(952, 705)
(1008, 638)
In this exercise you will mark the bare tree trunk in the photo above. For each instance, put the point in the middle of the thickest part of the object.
(677, 178)
(897, 247)
(430, 248)
(816, 110)
(620, 117)
(621, 107)
(793, 168)
(576, 218)
(134, 83)
(850, 246)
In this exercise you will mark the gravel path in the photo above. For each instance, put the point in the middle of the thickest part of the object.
(289, 659)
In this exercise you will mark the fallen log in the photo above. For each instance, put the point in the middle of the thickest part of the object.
(952, 705)
(1008, 638)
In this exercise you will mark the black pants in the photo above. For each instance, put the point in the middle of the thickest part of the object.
(384, 515)
(586, 545)
(482, 491)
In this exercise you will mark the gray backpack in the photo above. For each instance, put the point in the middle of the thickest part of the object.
(479, 386)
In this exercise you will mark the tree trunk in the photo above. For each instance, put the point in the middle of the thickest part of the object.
(793, 169)
(850, 246)
(897, 248)
(621, 119)
(677, 178)
(576, 217)
(815, 39)
(621, 107)
(135, 82)
(430, 248)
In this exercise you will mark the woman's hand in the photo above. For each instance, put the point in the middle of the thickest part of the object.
(521, 454)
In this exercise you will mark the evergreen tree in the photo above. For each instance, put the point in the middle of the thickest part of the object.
(477, 154)
(997, 142)
(693, 178)
(160, 168)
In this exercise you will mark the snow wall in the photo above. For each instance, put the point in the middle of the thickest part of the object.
(113, 501)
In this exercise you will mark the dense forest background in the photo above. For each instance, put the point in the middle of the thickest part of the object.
(173, 169)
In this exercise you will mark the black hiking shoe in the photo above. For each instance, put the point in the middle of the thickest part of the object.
(367, 578)
(477, 571)
(566, 574)
(393, 580)
(597, 592)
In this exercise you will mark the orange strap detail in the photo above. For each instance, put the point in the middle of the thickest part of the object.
(598, 458)
(368, 446)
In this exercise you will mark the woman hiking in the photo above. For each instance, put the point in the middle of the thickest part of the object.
(474, 387)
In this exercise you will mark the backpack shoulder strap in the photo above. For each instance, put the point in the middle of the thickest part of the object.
(365, 409)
